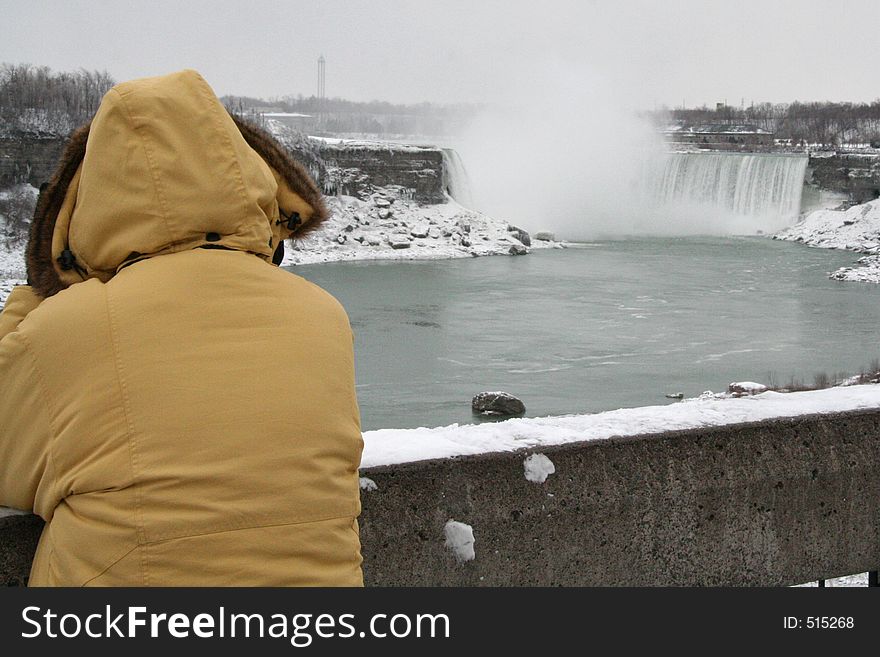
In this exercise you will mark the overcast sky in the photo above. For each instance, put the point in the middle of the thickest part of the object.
(646, 53)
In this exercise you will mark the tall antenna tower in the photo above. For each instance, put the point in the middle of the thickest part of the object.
(321, 64)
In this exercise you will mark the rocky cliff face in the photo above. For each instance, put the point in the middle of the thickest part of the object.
(360, 168)
(354, 168)
(28, 157)
(351, 168)
(854, 174)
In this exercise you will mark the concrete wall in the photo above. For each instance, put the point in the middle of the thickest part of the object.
(769, 503)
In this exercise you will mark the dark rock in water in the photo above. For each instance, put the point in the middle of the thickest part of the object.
(517, 249)
(497, 403)
(545, 237)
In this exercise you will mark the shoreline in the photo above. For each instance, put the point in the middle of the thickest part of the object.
(389, 225)
(856, 229)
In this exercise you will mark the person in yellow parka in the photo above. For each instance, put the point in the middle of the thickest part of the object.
(177, 408)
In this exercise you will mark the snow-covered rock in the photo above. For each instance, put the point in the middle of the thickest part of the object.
(390, 225)
(399, 241)
(520, 235)
(867, 270)
(855, 229)
(746, 388)
(420, 230)
(460, 540)
(538, 467)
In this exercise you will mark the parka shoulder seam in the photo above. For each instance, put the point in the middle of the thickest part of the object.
(148, 153)
(218, 123)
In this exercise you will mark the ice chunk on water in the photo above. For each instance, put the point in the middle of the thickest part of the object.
(538, 467)
(460, 540)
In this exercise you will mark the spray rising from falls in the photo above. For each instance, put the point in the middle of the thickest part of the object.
(456, 181)
(762, 190)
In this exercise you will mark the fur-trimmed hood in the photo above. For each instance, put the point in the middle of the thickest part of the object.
(164, 168)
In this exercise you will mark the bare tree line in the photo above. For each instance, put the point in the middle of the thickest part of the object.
(815, 122)
(337, 115)
(38, 100)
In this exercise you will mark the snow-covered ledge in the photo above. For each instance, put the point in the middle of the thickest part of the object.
(393, 446)
(765, 490)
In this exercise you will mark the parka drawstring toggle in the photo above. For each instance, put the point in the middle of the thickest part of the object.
(67, 261)
(291, 221)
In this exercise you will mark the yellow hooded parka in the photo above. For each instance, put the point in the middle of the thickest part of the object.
(181, 411)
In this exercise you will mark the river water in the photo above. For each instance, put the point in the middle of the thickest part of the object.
(597, 327)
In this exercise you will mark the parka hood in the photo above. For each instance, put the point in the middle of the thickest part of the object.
(162, 168)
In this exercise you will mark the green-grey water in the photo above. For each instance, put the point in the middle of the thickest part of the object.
(597, 327)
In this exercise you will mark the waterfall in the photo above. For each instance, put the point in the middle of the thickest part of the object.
(763, 187)
(455, 178)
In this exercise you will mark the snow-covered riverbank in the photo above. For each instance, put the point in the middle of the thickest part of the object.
(12, 270)
(856, 229)
(390, 226)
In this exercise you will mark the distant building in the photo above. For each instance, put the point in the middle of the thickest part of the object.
(722, 136)
(301, 122)
(265, 109)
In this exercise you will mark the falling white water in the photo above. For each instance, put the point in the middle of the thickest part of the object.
(763, 190)
(455, 178)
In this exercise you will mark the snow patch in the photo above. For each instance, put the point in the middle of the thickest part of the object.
(855, 229)
(390, 446)
(538, 467)
(368, 484)
(460, 540)
(391, 226)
